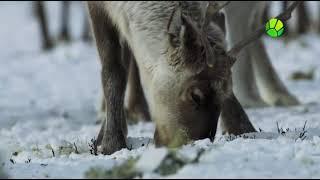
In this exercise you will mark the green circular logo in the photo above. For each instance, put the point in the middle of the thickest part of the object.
(274, 28)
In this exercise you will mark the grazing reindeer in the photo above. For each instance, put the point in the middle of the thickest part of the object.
(184, 69)
(256, 82)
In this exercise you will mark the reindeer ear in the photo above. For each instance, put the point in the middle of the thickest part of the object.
(174, 27)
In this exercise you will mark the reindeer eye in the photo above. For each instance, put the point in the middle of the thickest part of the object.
(197, 97)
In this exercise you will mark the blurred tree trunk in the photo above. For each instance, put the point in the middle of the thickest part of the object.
(265, 14)
(47, 43)
(318, 17)
(65, 15)
(86, 34)
(284, 5)
(303, 20)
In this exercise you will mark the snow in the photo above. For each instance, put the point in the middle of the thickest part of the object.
(49, 103)
(156, 154)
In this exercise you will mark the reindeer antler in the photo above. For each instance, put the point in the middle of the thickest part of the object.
(284, 16)
(214, 7)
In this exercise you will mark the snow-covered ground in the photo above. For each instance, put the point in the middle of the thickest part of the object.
(49, 102)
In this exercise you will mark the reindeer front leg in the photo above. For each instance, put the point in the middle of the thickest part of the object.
(234, 119)
(111, 136)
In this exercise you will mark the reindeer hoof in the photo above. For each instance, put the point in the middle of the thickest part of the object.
(112, 143)
(285, 100)
(250, 102)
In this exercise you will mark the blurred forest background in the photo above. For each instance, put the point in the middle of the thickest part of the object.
(304, 22)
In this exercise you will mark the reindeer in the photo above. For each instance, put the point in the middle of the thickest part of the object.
(256, 82)
(183, 65)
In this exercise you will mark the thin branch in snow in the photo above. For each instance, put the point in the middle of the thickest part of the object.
(304, 126)
(93, 147)
(53, 154)
(76, 148)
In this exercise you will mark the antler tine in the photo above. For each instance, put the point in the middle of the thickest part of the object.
(284, 16)
(214, 7)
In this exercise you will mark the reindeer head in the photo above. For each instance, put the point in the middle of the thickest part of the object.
(189, 96)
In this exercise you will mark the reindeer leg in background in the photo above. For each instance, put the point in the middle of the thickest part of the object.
(303, 19)
(244, 86)
(86, 33)
(318, 22)
(111, 136)
(47, 42)
(65, 14)
(265, 63)
(137, 107)
(270, 86)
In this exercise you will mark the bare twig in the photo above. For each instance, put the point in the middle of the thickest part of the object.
(304, 126)
(93, 147)
(76, 148)
(278, 127)
(130, 148)
(12, 161)
(302, 135)
(28, 161)
(148, 142)
(53, 153)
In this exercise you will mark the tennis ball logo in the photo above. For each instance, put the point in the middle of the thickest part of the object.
(274, 28)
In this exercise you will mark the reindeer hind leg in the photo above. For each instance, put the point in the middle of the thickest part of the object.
(137, 107)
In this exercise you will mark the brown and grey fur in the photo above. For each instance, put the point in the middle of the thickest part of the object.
(184, 76)
(256, 82)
